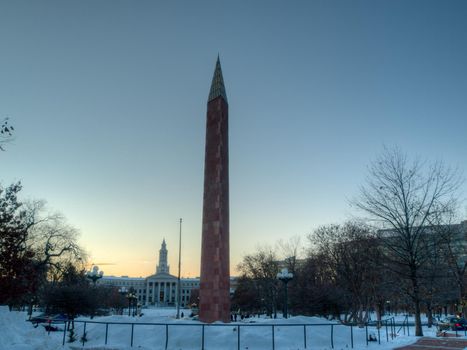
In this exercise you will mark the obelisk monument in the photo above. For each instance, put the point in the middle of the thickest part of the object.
(214, 295)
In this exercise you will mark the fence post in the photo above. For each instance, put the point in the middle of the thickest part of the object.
(202, 337)
(273, 340)
(387, 335)
(132, 330)
(84, 333)
(106, 332)
(332, 336)
(379, 334)
(304, 335)
(390, 328)
(351, 336)
(64, 333)
(366, 333)
(238, 337)
(166, 335)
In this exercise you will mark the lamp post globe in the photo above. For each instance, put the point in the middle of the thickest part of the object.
(95, 274)
(285, 276)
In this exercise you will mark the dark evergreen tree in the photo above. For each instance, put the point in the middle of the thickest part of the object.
(33, 247)
(16, 257)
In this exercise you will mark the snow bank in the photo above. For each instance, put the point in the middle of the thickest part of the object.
(18, 334)
(255, 334)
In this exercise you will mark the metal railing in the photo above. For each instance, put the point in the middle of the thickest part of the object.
(386, 326)
(404, 325)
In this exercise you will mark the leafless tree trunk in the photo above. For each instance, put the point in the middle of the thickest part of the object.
(402, 197)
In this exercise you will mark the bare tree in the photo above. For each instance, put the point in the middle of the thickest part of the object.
(55, 246)
(402, 197)
(290, 250)
(261, 269)
(6, 133)
(353, 255)
(315, 290)
(54, 241)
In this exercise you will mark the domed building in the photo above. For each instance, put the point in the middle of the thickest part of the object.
(159, 289)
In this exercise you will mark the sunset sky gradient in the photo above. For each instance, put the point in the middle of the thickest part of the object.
(109, 101)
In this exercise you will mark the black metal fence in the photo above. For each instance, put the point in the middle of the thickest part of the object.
(385, 329)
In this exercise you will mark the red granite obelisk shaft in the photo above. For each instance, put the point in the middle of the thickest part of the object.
(214, 304)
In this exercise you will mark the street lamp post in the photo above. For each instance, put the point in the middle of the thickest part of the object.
(179, 266)
(130, 297)
(95, 274)
(124, 292)
(285, 276)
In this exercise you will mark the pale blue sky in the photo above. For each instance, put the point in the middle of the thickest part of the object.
(109, 103)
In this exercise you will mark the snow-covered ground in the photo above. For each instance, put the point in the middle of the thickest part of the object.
(17, 334)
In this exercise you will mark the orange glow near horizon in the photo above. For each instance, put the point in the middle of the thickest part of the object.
(142, 263)
(119, 270)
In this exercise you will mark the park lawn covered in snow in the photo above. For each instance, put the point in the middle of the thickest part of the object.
(255, 334)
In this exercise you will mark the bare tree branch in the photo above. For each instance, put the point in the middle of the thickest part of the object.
(403, 198)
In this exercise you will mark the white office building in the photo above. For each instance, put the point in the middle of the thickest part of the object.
(159, 289)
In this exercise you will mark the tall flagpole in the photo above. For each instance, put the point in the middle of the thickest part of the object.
(179, 265)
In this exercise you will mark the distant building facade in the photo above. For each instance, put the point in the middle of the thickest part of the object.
(456, 233)
(159, 289)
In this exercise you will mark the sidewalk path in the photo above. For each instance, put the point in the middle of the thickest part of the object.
(436, 343)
